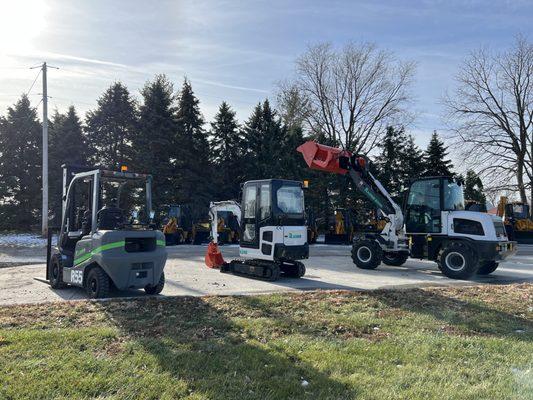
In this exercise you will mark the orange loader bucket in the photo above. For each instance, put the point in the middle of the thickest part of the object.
(213, 256)
(322, 157)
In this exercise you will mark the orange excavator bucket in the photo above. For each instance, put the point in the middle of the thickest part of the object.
(322, 157)
(213, 256)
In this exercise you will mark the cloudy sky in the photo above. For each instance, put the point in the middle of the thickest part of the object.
(238, 50)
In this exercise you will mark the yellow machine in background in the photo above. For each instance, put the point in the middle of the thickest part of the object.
(517, 220)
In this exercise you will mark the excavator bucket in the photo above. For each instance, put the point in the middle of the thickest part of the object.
(213, 256)
(323, 158)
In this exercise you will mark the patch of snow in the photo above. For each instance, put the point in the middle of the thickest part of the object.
(23, 240)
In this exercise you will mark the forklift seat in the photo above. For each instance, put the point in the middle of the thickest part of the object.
(110, 218)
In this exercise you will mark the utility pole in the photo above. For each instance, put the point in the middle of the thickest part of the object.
(45, 154)
(44, 227)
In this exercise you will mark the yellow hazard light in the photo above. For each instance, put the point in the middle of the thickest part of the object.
(123, 168)
(306, 183)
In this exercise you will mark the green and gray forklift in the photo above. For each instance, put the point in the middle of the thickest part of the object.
(107, 237)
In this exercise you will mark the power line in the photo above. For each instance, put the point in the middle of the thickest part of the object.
(35, 80)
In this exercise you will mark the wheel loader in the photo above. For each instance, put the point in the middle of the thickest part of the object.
(434, 224)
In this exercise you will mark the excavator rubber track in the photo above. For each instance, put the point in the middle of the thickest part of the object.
(264, 270)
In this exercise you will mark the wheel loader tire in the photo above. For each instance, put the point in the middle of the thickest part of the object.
(488, 267)
(56, 273)
(149, 289)
(97, 284)
(457, 261)
(396, 259)
(366, 254)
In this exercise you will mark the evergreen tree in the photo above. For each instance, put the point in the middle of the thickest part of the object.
(390, 164)
(227, 154)
(435, 162)
(263, 135)
(20, 167)
(66, 146)
(473, 189)
(413, 161)
(111, 127)
(155, 144)
(193, 172)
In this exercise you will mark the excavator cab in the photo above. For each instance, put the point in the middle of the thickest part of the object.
(272, 235)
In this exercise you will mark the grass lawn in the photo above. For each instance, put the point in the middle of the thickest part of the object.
(453, 343)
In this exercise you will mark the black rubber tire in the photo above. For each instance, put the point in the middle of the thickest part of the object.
(488, 267)
(372, 251)
(467, 266)
(97, 285)
(56, 272)
(149, 289)
(396, 259)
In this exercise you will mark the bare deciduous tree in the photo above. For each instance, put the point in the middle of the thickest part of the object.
(348, 95)
(492, 114)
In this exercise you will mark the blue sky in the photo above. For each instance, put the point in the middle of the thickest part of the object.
(238, 50)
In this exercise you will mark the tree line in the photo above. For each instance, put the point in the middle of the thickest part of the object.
(354, 98)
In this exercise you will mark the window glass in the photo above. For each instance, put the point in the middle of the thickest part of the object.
(519, 211)
(249, 201)
(249, 232)
(290, 199)
(423, 214)
(264, 204)
(453, 196)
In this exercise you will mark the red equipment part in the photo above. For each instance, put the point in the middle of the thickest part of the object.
(323, 158)
(213, 256)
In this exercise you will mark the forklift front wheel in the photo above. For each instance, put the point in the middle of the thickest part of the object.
(97, 285)
(367, 254)
(149, 289)
(396, 259)
(56, 273)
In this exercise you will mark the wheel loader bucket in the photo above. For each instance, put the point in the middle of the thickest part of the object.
(213, 256)
(322, 157)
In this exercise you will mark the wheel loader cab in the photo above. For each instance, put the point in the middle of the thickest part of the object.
(273, 220)
(426, 200)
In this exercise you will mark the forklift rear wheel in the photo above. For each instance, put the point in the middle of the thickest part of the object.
(396, 259)
(488, 267)
(97, 285)
(56, 273)
(457, 261)
(149, 289)
(367, 254)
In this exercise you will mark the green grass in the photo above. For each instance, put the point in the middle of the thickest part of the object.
(461, 343)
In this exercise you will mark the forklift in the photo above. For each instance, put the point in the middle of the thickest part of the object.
(273, 235)
(437, 227)
(99, 244)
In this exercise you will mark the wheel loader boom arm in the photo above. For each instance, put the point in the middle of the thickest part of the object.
(334, 160)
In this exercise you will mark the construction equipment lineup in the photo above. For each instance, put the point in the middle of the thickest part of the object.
(101, 245)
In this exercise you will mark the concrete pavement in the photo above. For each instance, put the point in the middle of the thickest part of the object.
(329, 267)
